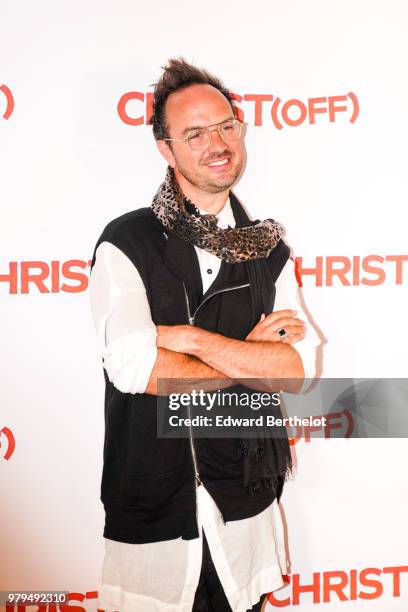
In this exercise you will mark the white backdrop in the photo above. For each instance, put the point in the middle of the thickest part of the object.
(71, 161)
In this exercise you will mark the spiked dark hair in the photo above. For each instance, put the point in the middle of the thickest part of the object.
(177, 75)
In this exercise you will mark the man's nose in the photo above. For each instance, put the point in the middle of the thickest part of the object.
(216, 142)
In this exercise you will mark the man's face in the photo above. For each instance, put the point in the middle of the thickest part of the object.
(201, 106)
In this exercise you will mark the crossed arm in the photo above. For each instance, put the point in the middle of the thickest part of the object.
(137, 353)
(186, 351)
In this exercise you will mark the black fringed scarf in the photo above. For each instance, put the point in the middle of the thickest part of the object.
(267, 461)
(232, 244)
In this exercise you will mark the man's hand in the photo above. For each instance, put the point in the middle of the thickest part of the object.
(266, 330)
(238, 359)
(182, 338)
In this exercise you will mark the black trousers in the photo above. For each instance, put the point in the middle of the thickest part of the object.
(210, 596)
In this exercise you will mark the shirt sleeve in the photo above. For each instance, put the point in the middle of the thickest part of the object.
(287, 297)
(122, 318)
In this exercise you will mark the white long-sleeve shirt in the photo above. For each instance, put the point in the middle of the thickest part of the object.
(249, 554)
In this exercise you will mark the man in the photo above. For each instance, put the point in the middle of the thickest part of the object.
(189, 288)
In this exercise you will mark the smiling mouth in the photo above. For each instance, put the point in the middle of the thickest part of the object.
(219, 162)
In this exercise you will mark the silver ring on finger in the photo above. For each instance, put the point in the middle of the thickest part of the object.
(282, 332)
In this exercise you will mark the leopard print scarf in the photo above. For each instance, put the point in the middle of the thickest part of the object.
(231, 244)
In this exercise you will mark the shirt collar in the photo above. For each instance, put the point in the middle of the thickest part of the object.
(225, 217)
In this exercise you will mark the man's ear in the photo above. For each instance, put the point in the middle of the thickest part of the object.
(166, 152)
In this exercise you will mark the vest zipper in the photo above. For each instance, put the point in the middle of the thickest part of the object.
(193, 453)
(191, 319)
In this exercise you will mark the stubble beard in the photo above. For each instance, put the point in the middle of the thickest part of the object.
(211, 185)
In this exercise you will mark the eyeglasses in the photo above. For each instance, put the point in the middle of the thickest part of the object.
(200, 138)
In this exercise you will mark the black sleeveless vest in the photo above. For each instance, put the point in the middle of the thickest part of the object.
(148, 483)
